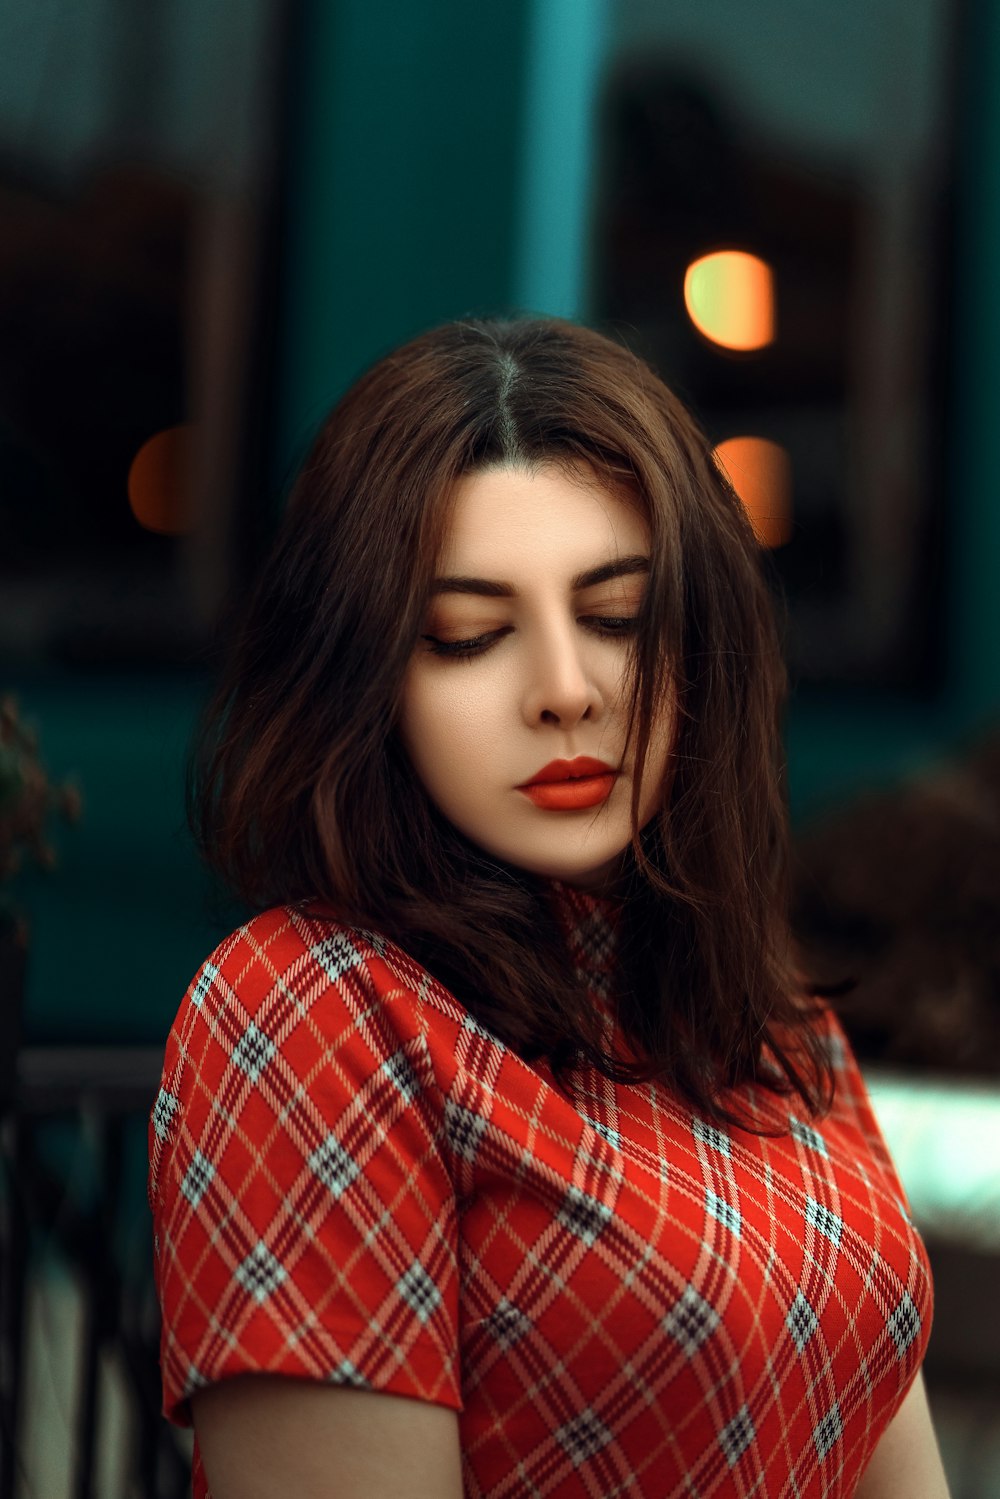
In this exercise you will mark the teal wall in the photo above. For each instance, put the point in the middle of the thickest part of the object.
(404, 187)
(837, 747)
(410, 204)
(118, 929)
(976, 569)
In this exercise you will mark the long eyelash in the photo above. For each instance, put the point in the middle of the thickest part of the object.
(466, 649)
(618, 626)
(458, 648)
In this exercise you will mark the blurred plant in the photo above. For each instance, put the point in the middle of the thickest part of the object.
(27, 801)
(899, 888)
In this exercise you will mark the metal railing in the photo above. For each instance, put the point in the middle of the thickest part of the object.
(105, 1090)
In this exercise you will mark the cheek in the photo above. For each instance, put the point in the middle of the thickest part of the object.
(439, 726)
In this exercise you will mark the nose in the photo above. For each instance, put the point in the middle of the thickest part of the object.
(560, 688)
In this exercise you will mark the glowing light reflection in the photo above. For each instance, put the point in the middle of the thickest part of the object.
(159, 481)
(729, 296)
(760, 471)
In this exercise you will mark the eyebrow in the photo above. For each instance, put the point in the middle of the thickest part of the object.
(493, 588)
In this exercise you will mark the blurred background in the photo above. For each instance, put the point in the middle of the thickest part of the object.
(212, 219)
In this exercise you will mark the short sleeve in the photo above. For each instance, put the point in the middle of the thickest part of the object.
(304, 1217)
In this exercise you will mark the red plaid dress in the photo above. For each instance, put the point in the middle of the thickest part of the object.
(353, 1181)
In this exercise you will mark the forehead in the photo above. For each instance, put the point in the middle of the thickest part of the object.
(537, 519)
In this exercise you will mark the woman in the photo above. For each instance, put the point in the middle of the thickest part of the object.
(510, 1102)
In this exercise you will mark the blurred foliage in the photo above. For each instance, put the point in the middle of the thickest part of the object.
(28, 800)
(899, 889)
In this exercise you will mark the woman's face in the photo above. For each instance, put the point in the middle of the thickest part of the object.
(521, 665)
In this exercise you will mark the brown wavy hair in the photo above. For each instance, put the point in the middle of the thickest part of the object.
(299, 789)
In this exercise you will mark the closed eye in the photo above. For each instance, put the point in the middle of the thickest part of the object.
(479, 644)
(620, 625)
(474, 647)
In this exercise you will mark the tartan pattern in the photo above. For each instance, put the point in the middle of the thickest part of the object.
(829, 1430)
(691, 1320)
(353, 1181)
(807, 1135)
(801, 1321)
(736, 1436)
(260, 1274)
(164, 1109)
(904, 1324)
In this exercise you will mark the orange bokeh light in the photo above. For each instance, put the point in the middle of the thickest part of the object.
(760, 471)
(159, 481)
(729, 296)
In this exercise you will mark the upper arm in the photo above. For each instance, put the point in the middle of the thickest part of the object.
(906, 1460)
(263, 1435)
(304, 1209)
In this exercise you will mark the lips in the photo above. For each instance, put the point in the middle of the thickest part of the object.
(569, 770)
(570, 785)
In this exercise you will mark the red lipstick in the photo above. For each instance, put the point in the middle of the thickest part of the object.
(570, 785)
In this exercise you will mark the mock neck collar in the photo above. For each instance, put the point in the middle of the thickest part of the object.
(591, 927)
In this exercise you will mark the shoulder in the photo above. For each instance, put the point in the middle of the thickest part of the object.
(287, 960)
(301, 1108)
(295, 994)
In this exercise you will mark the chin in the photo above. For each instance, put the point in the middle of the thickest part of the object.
(587, 876)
